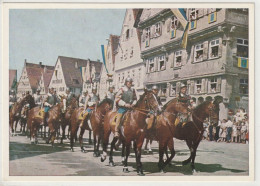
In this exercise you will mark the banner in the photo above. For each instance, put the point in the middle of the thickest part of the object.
(104, 55)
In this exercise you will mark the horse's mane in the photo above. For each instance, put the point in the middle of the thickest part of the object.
(140, 99)
(166, 105)
(201, 105)
(105, 100)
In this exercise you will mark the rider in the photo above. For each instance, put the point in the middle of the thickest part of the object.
(68, 97)
(82, 98)
(184, 98)
(90, 103)
(125, 99)
(37, 98)
(12, 98)
(151, 115)
(49, 102)
(110, 94)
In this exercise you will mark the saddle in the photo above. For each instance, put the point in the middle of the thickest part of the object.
(124, 118)
(40, 114)
(150, 122)
(82, 115)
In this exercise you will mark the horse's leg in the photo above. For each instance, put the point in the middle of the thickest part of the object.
(189, 144)
(95, 143)
(193, 154)
(146, 143)
(73, 134)
(52, 133)
(123, 151)
(105, 144)
(138, 155)
(68, 136)
(162, 146)
(82, 130)
(127, 149)
(111, 162)
(98, 144)
(63, 126)
(171, 148)
(90, 140)
(44, 132)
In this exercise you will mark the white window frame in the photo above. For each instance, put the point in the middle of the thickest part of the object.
(174, 22)
(198, 84)
(213, 81)
(213, 43)
(178, 54)
(150, 62)
(195, 12)
(157, 29)
(243, 44)
(173, 88)
(198, 47)
(245, 79)
(161, 59)
(148, 32)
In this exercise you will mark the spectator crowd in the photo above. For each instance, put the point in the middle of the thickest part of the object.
(234, 129)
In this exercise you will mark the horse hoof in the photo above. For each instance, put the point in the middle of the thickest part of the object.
(111, 164)
(32, 142)
(194, 171)
(47, 142)
(141, 173)
(185, 162)
(102, 159)
(125, 170)
(162, 171)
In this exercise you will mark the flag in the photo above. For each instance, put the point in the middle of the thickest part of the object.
(104, 55)
(181, 16)
(242, 62)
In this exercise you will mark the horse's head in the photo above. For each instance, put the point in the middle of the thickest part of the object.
(176, 106)
(148, 101)
(30, 100)
(74, 102)
(105, 105)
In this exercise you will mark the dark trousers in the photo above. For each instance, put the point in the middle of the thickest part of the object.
(229, 131)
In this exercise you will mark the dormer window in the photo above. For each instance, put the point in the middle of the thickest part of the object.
(127, 34)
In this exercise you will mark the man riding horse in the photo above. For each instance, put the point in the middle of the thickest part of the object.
(82, 99)
(37, 98)
(125, 100)
(110, 94)
(12, 99)
(49, 102)
(90, 104)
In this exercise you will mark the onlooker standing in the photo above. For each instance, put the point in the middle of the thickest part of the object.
(229, 126)
(239, 132)
(243, 131)
(211, 132)
(217, 131)
(234, 132)
(205, 127)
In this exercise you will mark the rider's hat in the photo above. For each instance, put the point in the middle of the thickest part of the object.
(155, 87)
(183, 85)
(128, 79)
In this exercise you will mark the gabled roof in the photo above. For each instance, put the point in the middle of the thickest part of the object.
(47, 74)
(72, 75)
(34, 72)
(12, 77)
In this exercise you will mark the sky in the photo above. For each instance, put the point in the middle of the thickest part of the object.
(44, 34)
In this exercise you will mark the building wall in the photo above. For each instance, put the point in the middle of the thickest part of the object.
(24, 84)
(128, 59)
(57, 81)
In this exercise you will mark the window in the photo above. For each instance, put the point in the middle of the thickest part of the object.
(242, 48)
(125, 54)
(157, 29)
(214, 49)
(118, 78)
(147, 32)
(194, 14)
(198, 53)
(75, 81)
(198, 86)
(132, 52)
(178, 58)
(139, 77)
(123, 78)
(162, 63)
(127, 34)
(243, 87)
(174, 22)
(213, 85)
(151, 65)
(162, 90)
(173, 89)
(212, 17)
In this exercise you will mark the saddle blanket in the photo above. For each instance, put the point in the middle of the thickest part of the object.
(40, 114)
(82, 115)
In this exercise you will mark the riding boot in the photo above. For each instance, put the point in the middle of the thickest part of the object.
(118, 121)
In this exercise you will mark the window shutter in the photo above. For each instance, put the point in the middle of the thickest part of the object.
(218, 89)
(169, 25)
(203, 85)
(205, 50)
(209, 90)
(173, 59)
(220, 48)
(192, 54)
(192, 87)
(184, 57)
(152, 31)
(201, 12)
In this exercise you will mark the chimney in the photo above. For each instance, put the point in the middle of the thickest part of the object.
(40, 63)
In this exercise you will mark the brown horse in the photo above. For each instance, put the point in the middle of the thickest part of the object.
(54, 119)
(191, 132)
(15, 111)
(67, 116)
(96, 119)
(133, 129)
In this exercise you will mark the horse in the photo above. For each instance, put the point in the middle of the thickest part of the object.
(67, 116)
(54, 119)
(96, 120)
(191, 132)
(15, 111)
(133, 129)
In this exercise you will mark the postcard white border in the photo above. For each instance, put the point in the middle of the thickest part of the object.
(5, 65)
